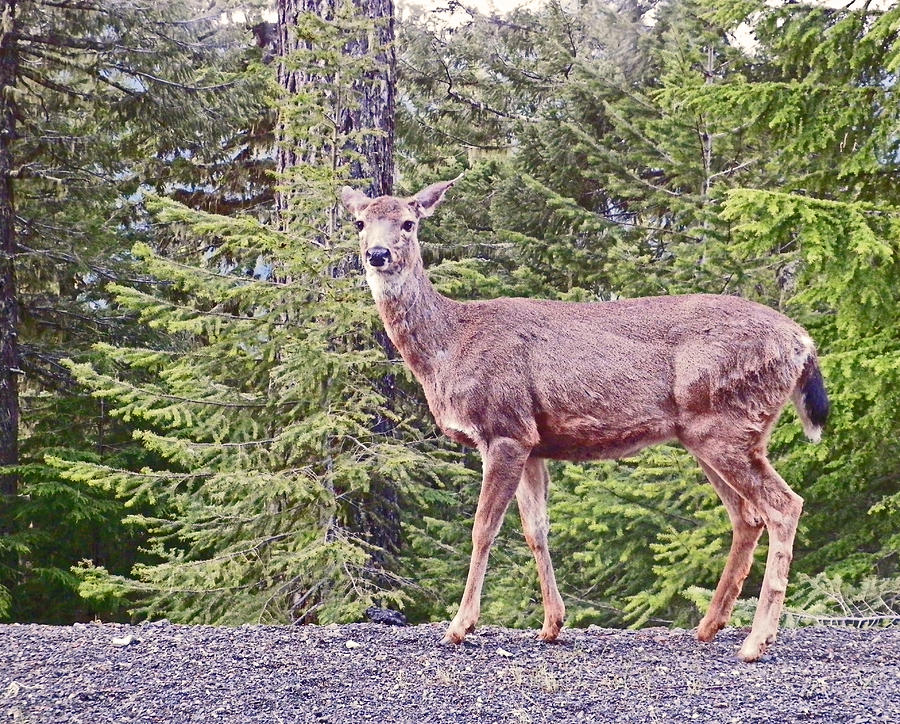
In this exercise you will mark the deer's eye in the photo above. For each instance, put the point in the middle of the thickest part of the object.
(408, 225)
(360, 225)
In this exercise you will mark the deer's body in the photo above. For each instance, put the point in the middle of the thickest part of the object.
(562, 376)
(524, 380)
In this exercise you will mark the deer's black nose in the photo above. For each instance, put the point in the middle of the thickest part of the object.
(378, 256)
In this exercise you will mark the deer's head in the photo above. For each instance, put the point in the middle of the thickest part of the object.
(388, 228)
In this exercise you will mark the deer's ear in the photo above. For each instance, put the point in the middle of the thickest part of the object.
(428, 199)
(354, 200)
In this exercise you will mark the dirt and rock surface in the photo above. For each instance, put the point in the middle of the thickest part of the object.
(159, 672)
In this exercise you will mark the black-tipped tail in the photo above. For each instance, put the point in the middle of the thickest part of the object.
(812, 402)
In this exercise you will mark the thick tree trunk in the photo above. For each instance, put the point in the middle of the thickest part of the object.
(376, 107)
(372, 113)
(374, 93)
(9, 310)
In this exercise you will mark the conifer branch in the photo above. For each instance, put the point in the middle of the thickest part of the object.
(80, 71)
(49, 84)
(480, 106)
(65, 41)
(733, 169)
(74, 259)
(135, 72)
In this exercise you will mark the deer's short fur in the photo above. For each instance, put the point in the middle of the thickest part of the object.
(524, 380)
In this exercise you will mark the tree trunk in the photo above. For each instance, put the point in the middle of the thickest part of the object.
(9, 311)
(375, 92)
(373, 96)
(376, 108)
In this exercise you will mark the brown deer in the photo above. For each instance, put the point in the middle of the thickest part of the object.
(524, 380)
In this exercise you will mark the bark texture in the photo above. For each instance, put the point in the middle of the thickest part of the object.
(9, 309)
(373, 95)
(376, 106)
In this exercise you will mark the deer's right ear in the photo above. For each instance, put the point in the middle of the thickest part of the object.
(354, 200)
(427, 200)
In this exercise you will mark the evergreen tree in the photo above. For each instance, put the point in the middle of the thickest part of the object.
(626, 178)
(99, 99)
(825, 226)
(265, 396)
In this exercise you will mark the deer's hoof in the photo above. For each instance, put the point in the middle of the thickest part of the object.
(707, 630)
(456, 633)
(452, 639)
(754, 647)
(550, 631)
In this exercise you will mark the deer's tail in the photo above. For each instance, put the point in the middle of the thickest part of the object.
(811, 399)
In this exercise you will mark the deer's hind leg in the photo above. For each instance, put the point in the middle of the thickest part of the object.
(747, 470)
(531, 496)
(747, 527)
(780, 508)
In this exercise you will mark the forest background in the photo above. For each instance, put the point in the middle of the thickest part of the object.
(200, 416)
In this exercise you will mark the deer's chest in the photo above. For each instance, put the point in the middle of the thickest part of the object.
(453, 419)
(451, 403)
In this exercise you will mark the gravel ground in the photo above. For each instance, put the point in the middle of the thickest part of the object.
(159, 672)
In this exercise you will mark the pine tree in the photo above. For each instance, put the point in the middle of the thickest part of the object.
(825, 225)
(100, 99)
(673, 158)
(359, 98)
(264, 395)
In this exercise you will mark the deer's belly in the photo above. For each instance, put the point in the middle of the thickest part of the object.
(588, 439)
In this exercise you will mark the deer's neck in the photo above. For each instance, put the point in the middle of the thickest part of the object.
(416, 317)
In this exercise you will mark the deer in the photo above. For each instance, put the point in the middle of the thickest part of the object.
(524, 381)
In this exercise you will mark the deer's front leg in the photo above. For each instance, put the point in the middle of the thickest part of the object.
(504, 459)
(532, 498)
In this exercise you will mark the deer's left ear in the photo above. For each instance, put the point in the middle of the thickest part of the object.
(428, 199)
(354, 200)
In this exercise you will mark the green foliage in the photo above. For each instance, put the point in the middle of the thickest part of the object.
(852, 479)
(277, 493)
(111, 97)
(828, 599)
(244, 426)
(262, 412)
(830, 221)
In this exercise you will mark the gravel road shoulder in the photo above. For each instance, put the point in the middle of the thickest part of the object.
(159, 672)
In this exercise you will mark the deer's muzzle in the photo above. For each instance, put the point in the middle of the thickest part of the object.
(378, 256)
